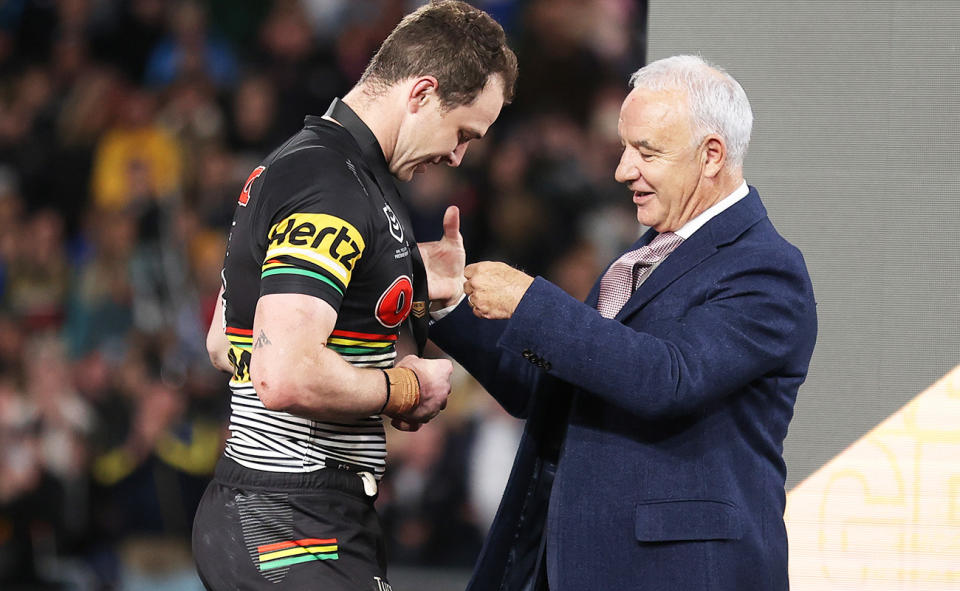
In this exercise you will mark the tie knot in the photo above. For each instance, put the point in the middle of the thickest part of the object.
(662, 245)
(621, 278)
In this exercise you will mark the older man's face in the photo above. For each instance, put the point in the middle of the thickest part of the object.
(661, 163)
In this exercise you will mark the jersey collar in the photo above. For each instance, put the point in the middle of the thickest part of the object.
(369, 146)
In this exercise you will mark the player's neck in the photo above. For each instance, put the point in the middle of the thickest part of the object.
(376, 112)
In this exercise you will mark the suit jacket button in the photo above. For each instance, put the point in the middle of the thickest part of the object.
(546, 365)
(527, 354)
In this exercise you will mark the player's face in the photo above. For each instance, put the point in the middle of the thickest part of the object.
(433, 135)
(661, 163)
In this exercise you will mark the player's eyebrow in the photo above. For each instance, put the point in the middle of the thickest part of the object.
(470, 134)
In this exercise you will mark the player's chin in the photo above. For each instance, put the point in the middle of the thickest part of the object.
(406, 174)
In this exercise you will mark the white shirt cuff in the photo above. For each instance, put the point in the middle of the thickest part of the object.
(441, 313)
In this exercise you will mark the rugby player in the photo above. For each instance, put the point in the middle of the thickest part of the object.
(321, 277)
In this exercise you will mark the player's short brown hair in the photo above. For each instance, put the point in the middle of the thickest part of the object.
(461, 46)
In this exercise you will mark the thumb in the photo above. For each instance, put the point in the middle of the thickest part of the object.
(401, 425)
(451, 223)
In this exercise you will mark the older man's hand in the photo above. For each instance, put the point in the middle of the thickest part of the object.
(494, 289)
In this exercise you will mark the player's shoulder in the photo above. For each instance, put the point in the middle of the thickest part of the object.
(313, 154)
(309, 183)
(314, 162)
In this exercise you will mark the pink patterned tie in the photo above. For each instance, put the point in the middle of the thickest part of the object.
(622, 277)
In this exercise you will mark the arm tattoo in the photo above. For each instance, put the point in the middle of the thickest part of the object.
(262, 341)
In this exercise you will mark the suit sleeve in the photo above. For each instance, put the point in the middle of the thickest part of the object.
(473, 343)
(752, 318)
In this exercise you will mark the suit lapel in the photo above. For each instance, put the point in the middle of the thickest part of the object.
(723, 229)
(688, 255)
(594, 296)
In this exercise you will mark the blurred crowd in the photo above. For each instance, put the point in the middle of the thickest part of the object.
(127, 128)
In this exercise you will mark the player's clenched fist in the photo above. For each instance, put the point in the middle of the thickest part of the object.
(434, 377)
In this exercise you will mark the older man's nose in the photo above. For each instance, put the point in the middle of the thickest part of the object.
(626, 170)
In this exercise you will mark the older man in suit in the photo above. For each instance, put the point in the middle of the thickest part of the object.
(656, 411)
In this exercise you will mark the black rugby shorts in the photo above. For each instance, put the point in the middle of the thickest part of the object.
(261, 530)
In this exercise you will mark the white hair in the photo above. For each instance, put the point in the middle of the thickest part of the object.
(718, 104)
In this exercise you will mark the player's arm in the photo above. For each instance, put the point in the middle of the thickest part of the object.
(293, 371)
(217, 344)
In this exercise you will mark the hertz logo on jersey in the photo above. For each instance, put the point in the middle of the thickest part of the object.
(319, 240)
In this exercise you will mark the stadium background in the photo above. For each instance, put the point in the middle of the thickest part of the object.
(128, 127)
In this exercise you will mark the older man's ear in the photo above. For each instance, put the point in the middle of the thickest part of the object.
(715, 155)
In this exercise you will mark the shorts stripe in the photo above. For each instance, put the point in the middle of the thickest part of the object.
(304, 542)
(294, 552)
(297, 560)
(297, 551)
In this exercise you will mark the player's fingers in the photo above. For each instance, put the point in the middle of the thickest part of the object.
(401, 425)
(451, 223)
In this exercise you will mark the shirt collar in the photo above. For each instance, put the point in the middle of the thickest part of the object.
(687, 230)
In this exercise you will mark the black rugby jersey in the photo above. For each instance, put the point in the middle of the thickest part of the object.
(315, 218)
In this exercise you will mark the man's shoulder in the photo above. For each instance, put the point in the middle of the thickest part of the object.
(314, 161)
(746, 225)
(745, 237)
(314, 146)
(311, 173)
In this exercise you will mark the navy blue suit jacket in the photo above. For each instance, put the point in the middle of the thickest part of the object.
(652, 454)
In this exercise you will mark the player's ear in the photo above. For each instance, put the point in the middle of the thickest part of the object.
(422, 91)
